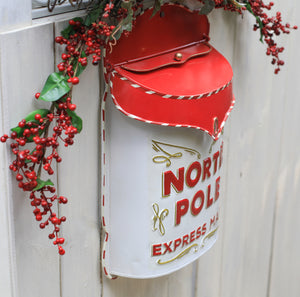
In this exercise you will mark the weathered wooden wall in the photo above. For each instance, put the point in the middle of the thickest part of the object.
(257, 252)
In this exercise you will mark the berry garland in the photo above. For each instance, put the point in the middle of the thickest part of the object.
(46, 129)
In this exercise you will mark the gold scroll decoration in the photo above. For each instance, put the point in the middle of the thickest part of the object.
(183, 253)
(159, 217)
(208, 236)
(187, 250)
(167, 156)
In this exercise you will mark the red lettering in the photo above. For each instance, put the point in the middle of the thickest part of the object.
(177, 243)
(189, 180)
(204, 229)
(210, 200)
(185, 240)
(212, 221)
(171, 179)
(182, 207)
(201, 231)
(156, 249)
(192, 236)
(168, 248)
(196, 210)
(198, 232)
(206, 165)
(217, 189)
(215, 158)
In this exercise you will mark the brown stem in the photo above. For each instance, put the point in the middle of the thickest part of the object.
(46, 131)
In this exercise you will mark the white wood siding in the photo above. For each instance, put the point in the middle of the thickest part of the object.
(257, 251)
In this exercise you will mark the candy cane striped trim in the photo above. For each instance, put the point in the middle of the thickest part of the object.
(226, 116)
(168, 124)
(164, 124)
(168, 96)
(104, 221)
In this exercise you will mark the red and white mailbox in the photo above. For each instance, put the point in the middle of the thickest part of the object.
(168, 95)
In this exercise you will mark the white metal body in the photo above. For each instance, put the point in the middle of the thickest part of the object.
(161, 190)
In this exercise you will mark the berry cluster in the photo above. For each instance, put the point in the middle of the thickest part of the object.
(43, 208)
(233, 6)
(269, 26)
(83, 41)
(29, 164)
(31, 142)
(35, 141)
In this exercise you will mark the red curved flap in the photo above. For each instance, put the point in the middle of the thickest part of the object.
(182, 82)
(173, 26)
(168, 58)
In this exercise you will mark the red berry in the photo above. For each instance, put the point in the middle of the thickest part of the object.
(22, 142)
(44, 203)
(58, 39)
(38, 217)
(72, 107)
(37, 95)
(75, 80)
(22, 124)
(19, 177)
(37, 117)
(63, 200)
(61, 250)
(60, 240)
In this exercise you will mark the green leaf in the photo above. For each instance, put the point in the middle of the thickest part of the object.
(94, 15)
(258, 21)
(30, 118)
(55, 87)
(75, 119)
(41, 184)
(67, 32)
(70, 29)
(209, 5)
(80, 68)
(125, 24)
(127, 4)
(157, 6)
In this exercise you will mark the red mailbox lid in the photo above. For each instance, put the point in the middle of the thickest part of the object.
(165, 72)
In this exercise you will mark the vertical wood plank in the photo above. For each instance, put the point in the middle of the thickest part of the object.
(7, 249)
(177, 284)
(26, 61)
(14, 14)
(251, 185)
(285, 268)
(78, 178)
(209, 272)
